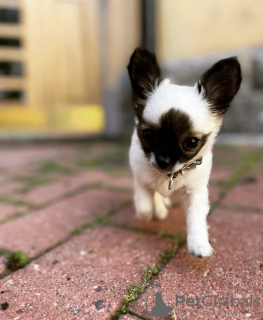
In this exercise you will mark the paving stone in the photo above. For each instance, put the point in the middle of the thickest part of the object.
(258, 168)
(226, 158)
(42, 229)
(85, 278)
(234, 270)
(49, 192)
(20, 155)
(52, 191)
(248, 194)
(174, 223)
(220, 175)
(214, 193)
(9, 188)
(119, 181)
(8, 210)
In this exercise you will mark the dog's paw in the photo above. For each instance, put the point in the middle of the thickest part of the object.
(199, 248)
(144, 215)
(160, 210)
(168, 202)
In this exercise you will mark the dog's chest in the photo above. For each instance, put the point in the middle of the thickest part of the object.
(161, 182)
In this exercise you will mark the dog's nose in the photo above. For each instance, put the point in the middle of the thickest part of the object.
(163, 162)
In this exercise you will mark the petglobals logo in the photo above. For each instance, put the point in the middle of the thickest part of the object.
(155, 306)
(213, 301)
(158, 305)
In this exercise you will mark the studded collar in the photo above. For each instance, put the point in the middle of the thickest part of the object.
(190, 166)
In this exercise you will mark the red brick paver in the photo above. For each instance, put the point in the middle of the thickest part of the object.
(214, 193)
(174, 224)
(248, 194)
(40, 230)
(9, 187)
(49, 192)
(11, 157)
(220, 174)
(85, 278)
(52, 191)
(8, 210)
(235, 269)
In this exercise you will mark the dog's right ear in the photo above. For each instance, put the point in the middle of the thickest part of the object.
(145, 74)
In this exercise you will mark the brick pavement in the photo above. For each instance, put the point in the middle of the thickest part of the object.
(69, 209)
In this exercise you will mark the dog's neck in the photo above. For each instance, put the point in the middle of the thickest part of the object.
(190, 166)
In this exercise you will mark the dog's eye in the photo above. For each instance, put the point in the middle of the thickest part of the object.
(148, 135)
(190, 143)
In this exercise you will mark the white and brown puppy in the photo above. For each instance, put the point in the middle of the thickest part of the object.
(172, 143)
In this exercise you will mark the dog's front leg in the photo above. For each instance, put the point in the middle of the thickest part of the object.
(143, 201)
(197, 208)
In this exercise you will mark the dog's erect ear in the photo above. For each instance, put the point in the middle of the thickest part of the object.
(144, 73)
(220, 83)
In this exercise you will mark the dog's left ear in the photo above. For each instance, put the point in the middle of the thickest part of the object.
(220, 83)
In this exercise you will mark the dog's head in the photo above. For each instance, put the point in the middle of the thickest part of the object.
(177, 124)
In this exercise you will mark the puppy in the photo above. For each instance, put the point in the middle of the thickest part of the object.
(175, 130)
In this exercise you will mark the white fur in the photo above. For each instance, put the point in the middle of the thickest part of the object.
(151, 185)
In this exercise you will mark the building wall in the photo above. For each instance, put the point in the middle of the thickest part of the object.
(187, 28)
(72, 52)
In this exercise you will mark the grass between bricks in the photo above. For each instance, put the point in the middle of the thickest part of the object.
(96, 185)
(18, 259)
(29, 207)
(238, 208)
(148, 273)
(34, 207)
(17, 202)
(51, 166)
(46, 172)
(103, 218)
(31, 181)
(14, 216)
(247, 163)
(114, 158)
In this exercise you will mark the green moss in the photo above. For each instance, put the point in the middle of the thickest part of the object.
(13, 216)
(17, 202)
(95, 185)
(117, 157)
(248, 162)
(17, 260)
(4, 252)
(52, 166)
(103, 218)
(30, 182)
(148, 273)
(89, 163)
(173, 316)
